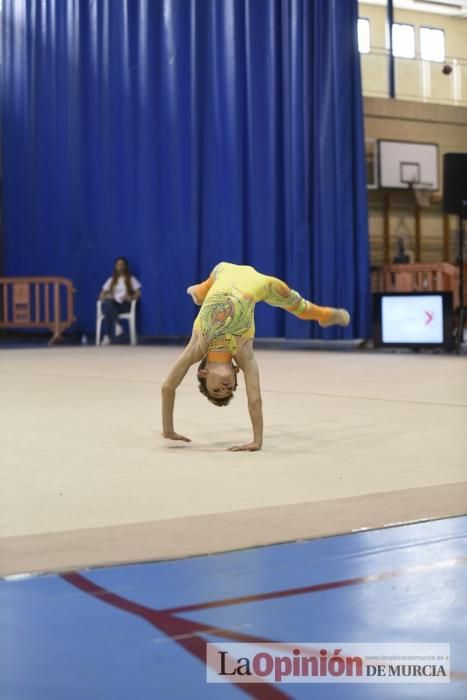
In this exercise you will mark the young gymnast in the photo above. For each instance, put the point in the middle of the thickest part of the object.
(224, 330)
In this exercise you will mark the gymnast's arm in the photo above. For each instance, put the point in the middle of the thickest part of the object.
(192, 353)
(247, 362)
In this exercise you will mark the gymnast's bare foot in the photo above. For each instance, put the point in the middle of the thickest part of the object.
(250, 447)
(171, 435)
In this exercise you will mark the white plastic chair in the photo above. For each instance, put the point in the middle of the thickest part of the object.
(130, 316)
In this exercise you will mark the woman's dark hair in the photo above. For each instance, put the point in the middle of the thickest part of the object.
(126, 275)
(203, 388)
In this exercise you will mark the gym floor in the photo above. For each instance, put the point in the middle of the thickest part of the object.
(140, 631)
(347, 526)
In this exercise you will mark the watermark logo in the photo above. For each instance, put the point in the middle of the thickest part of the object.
(314, 662)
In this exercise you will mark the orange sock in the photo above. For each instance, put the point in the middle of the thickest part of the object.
(201, 290)
(313, 312)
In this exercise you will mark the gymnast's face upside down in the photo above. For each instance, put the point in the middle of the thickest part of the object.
(217, 381)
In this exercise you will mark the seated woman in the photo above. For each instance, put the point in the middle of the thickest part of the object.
(116, 295)
(224, 330)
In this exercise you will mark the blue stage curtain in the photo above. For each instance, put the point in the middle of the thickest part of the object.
(181, 133)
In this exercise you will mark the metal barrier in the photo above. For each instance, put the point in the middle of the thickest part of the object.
(37, 302)
(418, 277)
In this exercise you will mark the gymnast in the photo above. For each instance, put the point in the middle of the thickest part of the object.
(224, 330)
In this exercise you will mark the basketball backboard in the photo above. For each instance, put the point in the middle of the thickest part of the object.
(405, 163)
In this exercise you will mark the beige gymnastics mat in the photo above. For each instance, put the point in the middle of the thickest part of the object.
(352, 440)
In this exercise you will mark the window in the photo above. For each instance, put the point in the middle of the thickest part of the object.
(432, 44)
(363, 27)
(403, 40)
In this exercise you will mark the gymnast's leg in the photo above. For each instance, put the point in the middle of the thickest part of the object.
(279, 294)
(199, 292)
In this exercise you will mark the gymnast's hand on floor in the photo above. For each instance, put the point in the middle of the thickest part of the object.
(250, 447)
(175, 436)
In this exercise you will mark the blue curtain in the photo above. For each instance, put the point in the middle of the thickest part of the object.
(184, 132)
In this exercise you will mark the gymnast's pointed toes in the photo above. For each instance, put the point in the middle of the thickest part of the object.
(338, 317)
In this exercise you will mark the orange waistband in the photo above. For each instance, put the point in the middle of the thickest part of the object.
(218, 356)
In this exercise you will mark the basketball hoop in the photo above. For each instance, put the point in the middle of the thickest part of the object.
(422, 193)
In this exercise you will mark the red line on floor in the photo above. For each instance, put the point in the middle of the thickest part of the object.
(189, 632)
(316, 588)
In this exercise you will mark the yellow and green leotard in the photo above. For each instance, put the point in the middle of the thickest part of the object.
(228, 299)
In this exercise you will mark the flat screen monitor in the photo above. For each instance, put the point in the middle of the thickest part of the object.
(413, 319)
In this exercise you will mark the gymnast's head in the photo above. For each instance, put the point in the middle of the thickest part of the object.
(217, 381)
